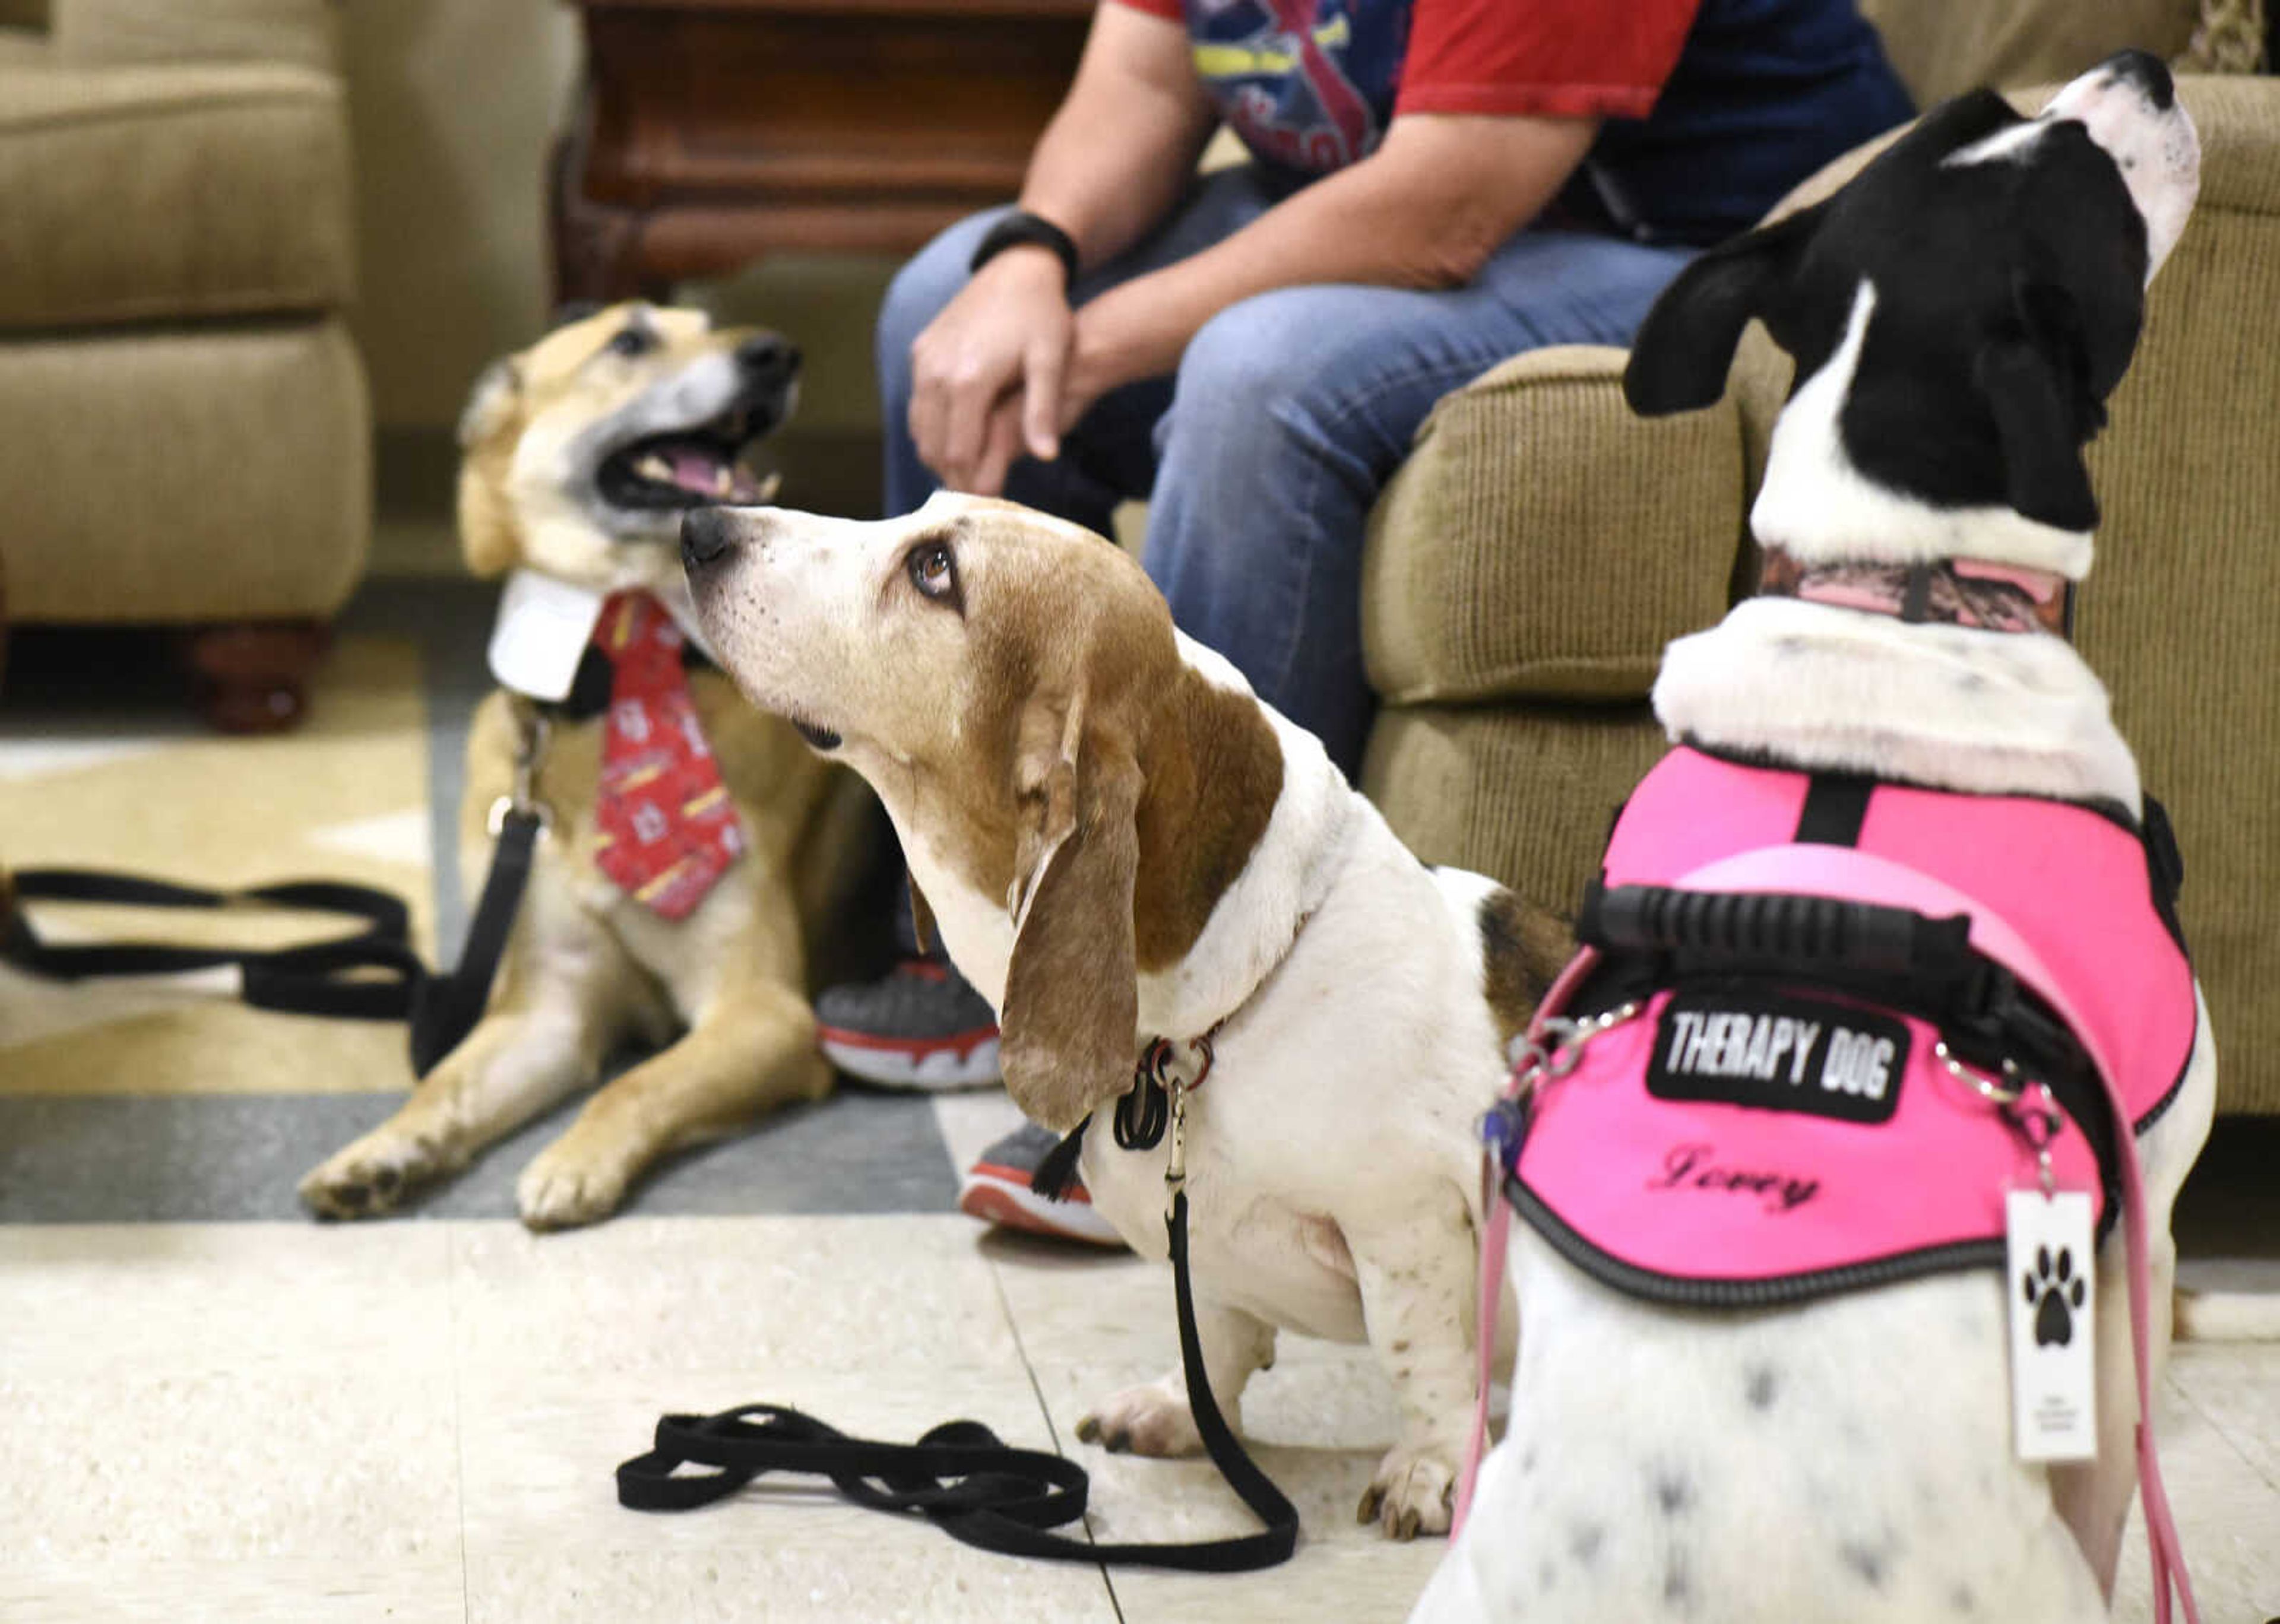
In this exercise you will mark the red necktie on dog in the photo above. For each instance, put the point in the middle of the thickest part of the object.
(668, 828)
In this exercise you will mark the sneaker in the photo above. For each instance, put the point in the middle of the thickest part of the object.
(918, 1026)
(997, 1190)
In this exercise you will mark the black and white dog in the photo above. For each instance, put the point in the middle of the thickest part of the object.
(1958, 315)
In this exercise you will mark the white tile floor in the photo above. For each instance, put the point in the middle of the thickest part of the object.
(417, 1422)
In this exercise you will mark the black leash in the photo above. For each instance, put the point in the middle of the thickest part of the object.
(369, 974)
(960, 1476)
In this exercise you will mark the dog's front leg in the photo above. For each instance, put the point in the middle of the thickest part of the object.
(515, 1064)
(751, 1050)
(1156, 1419)
(1416, 1274)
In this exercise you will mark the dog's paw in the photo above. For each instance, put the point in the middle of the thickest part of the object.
(1153, 1420)
(371, 1176)
(565, 1187)
(1411, 1494)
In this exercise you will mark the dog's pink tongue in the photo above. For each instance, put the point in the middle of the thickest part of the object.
(693, 470)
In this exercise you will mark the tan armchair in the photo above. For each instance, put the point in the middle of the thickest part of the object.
(184, 427)
(1528, 564)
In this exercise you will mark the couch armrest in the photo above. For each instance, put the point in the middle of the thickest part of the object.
(1543, 541)
(92, 33)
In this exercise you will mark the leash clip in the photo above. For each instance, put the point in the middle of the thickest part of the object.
(531, 730)
(2034, 1114)
(2031, 1109)
(1533, 1064)
(1570, 1038)
(1176, 1168)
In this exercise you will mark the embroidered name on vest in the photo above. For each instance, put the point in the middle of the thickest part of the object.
(1689, 1166)
(1774, 1052)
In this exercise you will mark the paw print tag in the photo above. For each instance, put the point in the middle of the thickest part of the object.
(2053, 1297)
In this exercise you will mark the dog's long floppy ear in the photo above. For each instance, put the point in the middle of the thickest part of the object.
(1680, 358)
(2036, 381)
(1072, 993)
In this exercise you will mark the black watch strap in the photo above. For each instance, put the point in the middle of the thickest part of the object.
(1022, 229)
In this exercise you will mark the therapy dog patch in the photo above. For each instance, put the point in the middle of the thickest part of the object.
(1778, 1052)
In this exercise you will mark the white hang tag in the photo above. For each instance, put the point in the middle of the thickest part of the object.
(2051, 1284)
(540, 635)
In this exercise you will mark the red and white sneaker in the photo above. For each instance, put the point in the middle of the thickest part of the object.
(997, 1190)
(920, 1026)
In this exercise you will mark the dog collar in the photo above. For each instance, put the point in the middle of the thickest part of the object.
(1970, 592)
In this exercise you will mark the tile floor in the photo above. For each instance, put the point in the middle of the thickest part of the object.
(417, 1421)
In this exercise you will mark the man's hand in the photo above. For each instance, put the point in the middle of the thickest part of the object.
(986, 374)
(989, 376)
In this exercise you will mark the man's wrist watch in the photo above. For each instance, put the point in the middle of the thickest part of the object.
(1022, 229)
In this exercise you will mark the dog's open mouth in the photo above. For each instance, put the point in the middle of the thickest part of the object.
(692, 468)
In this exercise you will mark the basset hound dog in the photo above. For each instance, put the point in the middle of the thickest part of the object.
(1120, 843)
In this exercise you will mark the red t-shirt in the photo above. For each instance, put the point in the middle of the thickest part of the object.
(1311, 84)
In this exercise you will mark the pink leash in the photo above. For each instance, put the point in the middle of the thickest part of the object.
(1493, 1235)
(2165, 1549)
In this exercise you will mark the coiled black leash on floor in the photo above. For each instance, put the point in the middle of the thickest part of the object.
(370, 974)
(960, 1476)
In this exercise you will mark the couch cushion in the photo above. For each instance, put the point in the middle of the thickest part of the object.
(1542, 540)
(1943, 47)
(136, 194)
(1523, 793)
(217, 473)
(2177, 614)
(304, 32)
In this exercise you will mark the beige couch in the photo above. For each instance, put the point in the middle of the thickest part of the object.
(1528, 564)
(184, 428)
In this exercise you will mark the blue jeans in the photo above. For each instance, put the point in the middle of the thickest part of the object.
(1261, 458)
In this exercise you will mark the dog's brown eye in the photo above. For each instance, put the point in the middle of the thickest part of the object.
(630, 342)
(933, 572)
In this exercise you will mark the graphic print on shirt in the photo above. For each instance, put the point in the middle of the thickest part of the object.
(1307, 84)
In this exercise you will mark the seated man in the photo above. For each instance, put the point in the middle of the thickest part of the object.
(1432, 186)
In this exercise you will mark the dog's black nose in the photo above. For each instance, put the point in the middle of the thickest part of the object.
(768, 359)
(2149, 73)
(705, 534)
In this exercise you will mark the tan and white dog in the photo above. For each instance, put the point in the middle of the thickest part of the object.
(1117, 841)
(580, 455)
(1959, 315)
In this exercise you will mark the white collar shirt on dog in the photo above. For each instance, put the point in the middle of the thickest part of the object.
(544, 624)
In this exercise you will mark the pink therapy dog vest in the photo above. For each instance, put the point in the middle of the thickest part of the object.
(1763, 1138)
